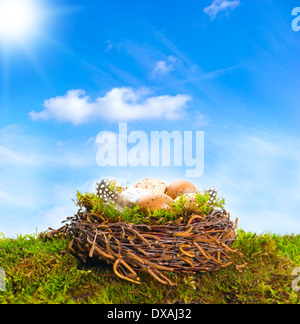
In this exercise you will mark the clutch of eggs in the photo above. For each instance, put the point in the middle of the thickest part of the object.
(155, 194)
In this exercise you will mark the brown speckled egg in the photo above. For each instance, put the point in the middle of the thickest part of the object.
(179, 187)
(155, 202)
(156, 187)
(191, 200)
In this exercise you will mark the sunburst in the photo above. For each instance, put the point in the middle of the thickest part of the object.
(19, 20)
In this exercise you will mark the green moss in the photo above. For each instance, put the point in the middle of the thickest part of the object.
(37, 272)
(93, 204)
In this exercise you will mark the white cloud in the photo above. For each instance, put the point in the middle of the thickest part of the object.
(119, 104)
(8, 156)
(221, 5)
(61, 155)
(39, 177)
(163, 67)
(111, 45)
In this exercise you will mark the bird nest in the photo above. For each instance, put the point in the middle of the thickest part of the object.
(195, 244)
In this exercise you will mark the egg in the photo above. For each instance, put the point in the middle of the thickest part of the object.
(191, 200)
(155, 186)
(131, 196)
(155, 202)
(179, 187)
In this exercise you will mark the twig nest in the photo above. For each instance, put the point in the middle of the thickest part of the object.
(155, 202)
(155, 186)
(180, 187)
(131, 196)
(191, 200)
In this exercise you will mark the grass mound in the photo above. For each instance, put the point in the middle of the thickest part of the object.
(38, 272)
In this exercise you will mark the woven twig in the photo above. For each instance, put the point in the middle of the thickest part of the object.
(201, 244)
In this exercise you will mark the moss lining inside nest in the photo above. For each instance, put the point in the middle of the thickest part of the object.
(91, 203)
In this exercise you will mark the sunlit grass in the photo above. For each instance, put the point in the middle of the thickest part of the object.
(37, 272)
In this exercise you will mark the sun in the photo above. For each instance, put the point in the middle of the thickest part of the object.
(18, 20)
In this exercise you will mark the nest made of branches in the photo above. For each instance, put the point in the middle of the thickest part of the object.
(199, 244)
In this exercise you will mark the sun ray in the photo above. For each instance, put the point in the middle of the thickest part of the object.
(35, 63)
(46, 38)
(5, 64)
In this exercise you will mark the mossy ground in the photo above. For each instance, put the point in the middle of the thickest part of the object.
(37, 272)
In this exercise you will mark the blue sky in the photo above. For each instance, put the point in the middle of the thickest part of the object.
(228, 68)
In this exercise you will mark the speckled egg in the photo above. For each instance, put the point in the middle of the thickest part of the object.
(191, 200)
(131, 196)
(155, 186)
(155, 202)
(179, 187)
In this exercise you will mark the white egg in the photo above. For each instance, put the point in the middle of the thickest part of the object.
(131, 196)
